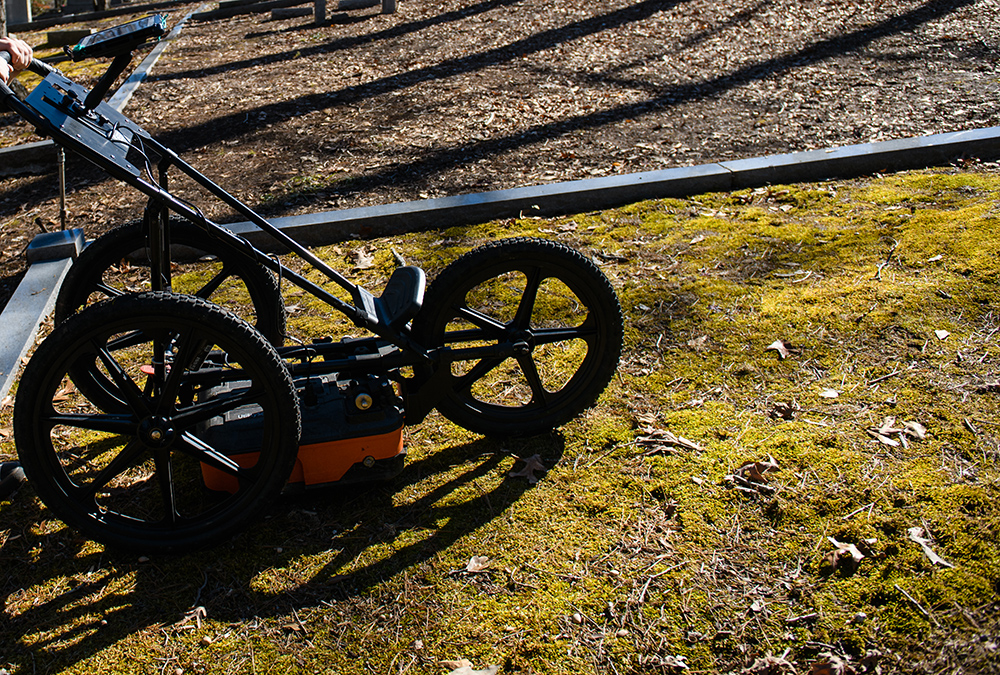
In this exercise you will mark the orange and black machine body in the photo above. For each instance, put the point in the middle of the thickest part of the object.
(352, 432)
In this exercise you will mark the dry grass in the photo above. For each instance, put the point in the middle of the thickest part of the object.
(649, 544)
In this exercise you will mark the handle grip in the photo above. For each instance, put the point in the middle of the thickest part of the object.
(38, 67)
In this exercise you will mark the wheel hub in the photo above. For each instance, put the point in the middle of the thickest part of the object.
(156, 432)
(523, 341)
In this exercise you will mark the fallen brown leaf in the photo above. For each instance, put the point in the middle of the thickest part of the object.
(532, 465)
(781, 347)
(916, 535)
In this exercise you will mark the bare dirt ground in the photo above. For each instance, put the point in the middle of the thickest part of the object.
(456, 96)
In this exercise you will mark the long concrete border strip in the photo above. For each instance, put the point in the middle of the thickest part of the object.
(34, 158)
(28, 307)
(602, 193)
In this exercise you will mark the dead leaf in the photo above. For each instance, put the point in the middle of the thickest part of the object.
(531, 465)
(830, 664)
(661, 440)
(460, 663)
(698, 344)
(885, 440)
(845, 557)
(888, 433)
(768, 665)
(916, 535)
(477, 563)
(915, 430)
(829, 393)
(754, 471)
(464, 667)
(361, 259)
(679, 662)
(888, 427)
(784, 411)
(63, 394)
(646, 419)
(781, 347)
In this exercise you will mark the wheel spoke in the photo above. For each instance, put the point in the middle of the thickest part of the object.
(539, 396)
(134, 474)
(477, 318)
(551, 305)
(112, 424)
(130, 339)
(522, 317)
(128, 388)
(478, 372)
(109, 291)
(165, 479)
(214, 283)
(203, 452)
(200, 412)
(547, 336)
(123, 461)
(188, 348)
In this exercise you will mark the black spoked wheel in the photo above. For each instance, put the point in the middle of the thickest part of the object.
(541, 295)
(118, 262)
(184, 370)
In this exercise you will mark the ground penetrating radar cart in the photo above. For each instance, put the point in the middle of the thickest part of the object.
(158, 421)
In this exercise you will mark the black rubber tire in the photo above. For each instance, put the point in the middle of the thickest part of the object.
(133, 479)
(538, 291)
(98, 274)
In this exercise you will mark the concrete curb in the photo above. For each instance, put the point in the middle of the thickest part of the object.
(38, 157)
(594, 194)
(31, 303)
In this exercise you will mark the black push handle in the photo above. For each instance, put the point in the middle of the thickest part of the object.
(36, 66)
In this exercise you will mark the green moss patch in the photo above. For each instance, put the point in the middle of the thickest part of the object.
(809, 374)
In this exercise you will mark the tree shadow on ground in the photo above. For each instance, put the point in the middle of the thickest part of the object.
(93, 600)
(436, 161)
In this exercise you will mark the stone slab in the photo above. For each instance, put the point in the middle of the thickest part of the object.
(69, 36)
(55, 246)
(31, 303)
(290, 12)
(18, 11)
(865, 158)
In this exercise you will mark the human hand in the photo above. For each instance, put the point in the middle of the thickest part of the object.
(20, 57)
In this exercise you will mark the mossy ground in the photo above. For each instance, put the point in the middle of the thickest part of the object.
(635, 551)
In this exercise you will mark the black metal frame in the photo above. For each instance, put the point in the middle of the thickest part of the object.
(66, 111)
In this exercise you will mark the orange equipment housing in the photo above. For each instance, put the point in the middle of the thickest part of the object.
(352, 431)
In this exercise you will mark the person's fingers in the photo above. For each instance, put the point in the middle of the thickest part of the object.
(21, 55)
(4, 71)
